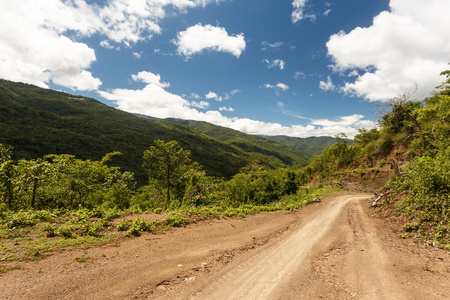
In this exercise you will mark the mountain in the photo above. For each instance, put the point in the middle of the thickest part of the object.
(288, 155)
(311, 145)
(38, 121)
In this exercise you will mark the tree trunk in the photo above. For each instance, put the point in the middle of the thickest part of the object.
(33, 197)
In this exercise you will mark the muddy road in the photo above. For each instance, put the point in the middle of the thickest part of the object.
(329, 250)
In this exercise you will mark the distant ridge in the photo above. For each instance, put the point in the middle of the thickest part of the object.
(310, 145)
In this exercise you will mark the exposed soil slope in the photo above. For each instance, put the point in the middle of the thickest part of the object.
(331, 250)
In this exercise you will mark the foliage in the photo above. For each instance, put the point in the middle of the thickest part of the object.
(427, 203)
(172, 172)
(335, 157)
(37, 122)
(259, 187)
(417, 131)
(62, 181)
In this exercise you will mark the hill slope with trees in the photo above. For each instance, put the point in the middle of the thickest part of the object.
(37, 122)
(413, 143)
(291, 155)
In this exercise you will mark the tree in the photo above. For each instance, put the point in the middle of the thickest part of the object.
(33, 173)
(168, 165)
(7, 173)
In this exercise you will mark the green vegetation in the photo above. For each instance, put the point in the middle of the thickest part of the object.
(59, 202)
(56, 202)
(38, 122)
(414, 134)
(311, 145)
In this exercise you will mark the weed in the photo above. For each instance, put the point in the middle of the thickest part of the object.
(81, 258)
(426, 268)
(123, 225)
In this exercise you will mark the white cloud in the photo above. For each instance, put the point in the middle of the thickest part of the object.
(194, 96)
(154, 101)
(262, 128)
(282, 86)
(212, 95)
(298, 13)
(106, 44)
(150, 78)
(223, 108)
(353, 73)
(277, 87)
(405, 46)
(38, 39)
(127, 22)
(342, 121)
(327, 86)
(197, 38)
(275, 63)
(201, 104)
(33, 49)
(137, 55)
(226, 96)
(327, 12)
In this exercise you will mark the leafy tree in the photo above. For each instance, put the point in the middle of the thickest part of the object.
(33, 174)
(170, 166)
(365, 136)
(402, 116)
(7, 174)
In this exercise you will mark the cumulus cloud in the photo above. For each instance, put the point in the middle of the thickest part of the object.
(33, 49)
(328, 85)
(128, 22)
(155, 101)
(197, 38)
(404, 47)
(276, 63)
(40, 41)
(152, 100)
(150, 78)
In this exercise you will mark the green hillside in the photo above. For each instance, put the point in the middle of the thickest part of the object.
(38, 121)
(287, 154)
(311, 145)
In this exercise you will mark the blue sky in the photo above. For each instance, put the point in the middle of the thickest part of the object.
(298, 68)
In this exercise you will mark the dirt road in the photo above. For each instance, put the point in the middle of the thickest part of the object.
(330, 250)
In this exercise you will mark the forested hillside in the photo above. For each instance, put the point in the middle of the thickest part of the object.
(311, 145)
(37, 122)
(293, 155)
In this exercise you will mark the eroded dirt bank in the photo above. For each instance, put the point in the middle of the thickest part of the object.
(330, 250)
